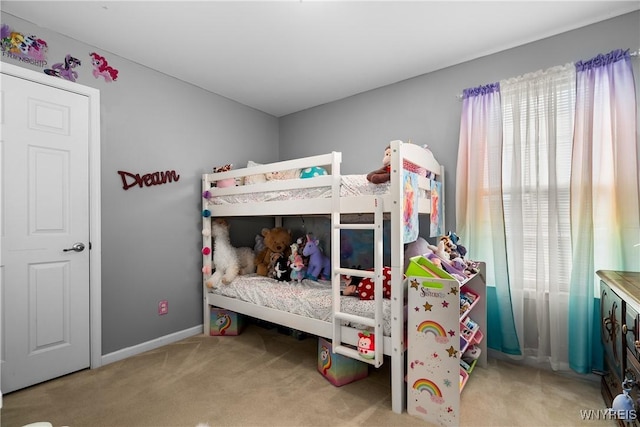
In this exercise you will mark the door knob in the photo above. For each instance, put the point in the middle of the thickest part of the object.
(77, 247)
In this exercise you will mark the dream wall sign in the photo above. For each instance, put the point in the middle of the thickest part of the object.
(147, 180)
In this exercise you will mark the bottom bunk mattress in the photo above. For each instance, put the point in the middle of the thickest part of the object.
(308, 298)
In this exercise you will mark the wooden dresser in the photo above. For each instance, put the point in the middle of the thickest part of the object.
(619, 314)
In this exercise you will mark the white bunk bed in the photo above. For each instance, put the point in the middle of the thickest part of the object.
(331, 197)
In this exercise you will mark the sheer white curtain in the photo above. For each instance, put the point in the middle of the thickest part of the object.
(538, 114)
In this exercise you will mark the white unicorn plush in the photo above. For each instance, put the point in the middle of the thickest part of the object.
(228, 261)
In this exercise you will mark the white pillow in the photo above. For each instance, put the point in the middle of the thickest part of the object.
(254, 179)
(286, 174)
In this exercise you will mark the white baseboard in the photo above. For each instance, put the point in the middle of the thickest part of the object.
(150, 345)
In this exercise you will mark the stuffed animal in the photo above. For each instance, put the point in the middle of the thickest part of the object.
(227, 260)
(294, 247)
(366, 287)
(280, 175)
(280, 269)
(276, 241)
(229, 182)
(366, 345)
(456, 241)
(350, 282)
(472, 353)
(298, 269)
(312, 172)
(319, 264)
(440, 250)
(259, 241)
(382, 175)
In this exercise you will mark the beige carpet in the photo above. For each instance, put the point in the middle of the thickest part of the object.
(264, 378)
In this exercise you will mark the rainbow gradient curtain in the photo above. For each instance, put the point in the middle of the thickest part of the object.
(547, 194)
(605, 206)
(479, 212)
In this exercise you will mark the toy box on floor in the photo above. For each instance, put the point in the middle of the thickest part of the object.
(225, 322)
(337, 369)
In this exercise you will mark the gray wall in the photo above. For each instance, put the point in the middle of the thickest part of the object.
(152, 235)
(151, 122)
(425, 109)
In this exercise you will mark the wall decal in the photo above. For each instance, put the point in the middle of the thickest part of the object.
(102, 68)
(156, 178)
(16, 45)
(65, 70)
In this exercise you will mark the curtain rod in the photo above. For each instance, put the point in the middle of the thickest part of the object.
(635, 53)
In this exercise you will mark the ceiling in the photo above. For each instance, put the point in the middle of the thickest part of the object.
(281, 57)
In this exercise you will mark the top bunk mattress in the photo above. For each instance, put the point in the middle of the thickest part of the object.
(351, 186)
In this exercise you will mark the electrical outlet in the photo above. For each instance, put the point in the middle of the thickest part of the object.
(163, 307)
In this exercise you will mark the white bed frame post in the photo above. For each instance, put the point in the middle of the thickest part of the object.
(206, 259)
(444, 204)
(398, 388)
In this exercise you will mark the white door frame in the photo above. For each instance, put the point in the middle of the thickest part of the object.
(95, 254)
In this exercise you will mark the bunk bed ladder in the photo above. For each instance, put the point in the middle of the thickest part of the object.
(377, 356)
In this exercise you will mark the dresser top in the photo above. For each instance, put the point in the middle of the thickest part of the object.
(626, 282)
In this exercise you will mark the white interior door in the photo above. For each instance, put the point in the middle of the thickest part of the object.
(45, 223)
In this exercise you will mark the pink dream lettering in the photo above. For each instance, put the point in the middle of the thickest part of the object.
(147, 180)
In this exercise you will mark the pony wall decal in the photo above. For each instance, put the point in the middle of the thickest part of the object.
(101, 68)
(25, 48)
(65, 70)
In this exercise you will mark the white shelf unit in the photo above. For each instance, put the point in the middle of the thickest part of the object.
(435, 325)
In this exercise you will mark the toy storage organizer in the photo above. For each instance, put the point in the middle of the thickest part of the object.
(445, 319)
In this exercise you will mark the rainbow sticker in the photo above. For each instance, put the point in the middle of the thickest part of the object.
(430, 387)
(223, 322)
(325, 356)
(424, 384)
(431, 327)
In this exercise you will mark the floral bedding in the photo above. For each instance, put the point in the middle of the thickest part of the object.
(352, 185)
(308, 298)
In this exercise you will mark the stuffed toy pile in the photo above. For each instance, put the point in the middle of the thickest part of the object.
(277, 243)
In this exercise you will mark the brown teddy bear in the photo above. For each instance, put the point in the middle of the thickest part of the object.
(383, 174)
(276, 241)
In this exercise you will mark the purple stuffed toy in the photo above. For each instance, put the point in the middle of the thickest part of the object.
(319, 264)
